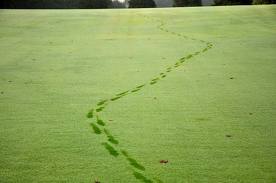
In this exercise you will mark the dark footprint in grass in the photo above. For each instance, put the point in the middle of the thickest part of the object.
(162, 75)
(176, 65)
(231, 78)
(99, 109)
(196, 53)
(189, 56)
(141, 86)
(110, 137)
(102, 102)
(116, 98)
(228, 136)
(110, 149)
(141, 177)
(96, 129)
(123, 93)
(155, 79)
(135, 90)
(100, 122)
(182, 61)
(133, 162)
(2, 92)
(250, 113)
(90, 114)
(204, 50)
(183, 58)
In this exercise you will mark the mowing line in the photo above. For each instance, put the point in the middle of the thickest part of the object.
(111, 144)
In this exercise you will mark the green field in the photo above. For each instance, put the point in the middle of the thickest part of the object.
(199, 91)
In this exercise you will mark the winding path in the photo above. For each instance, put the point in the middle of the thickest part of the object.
(99, 127)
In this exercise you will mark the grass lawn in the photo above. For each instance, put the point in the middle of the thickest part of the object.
(200, 93)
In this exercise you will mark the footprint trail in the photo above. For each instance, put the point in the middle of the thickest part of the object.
(100, 127)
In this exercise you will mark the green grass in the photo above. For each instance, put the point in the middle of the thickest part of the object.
(194, 86)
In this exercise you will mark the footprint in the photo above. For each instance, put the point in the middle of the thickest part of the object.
(141, 177)
(102, 102)
(182, 58)
(90, 114)
(189, 56)
(110, 149)
(133, 162)
(135, 90)
(163, 75)
(96, 128)
(123, 93)
(205, 49)
(141, 86)
(155, 79)
(99, 109)
(176, 64)
(100, 122)
(115, 98)
(110, 137)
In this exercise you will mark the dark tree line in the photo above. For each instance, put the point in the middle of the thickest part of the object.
(243, 2)
(264, 2)
(233, 2)
(51, 4)
(141, 4)
(222, 2)
(59, 4)
(182, 3)
(64, 4)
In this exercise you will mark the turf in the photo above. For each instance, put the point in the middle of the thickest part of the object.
(107, 94)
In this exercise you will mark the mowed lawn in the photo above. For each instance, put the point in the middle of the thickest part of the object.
(213, 118)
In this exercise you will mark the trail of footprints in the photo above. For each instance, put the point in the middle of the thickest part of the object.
(99, 127)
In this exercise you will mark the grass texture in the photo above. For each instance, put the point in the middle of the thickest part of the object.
(107, 95)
